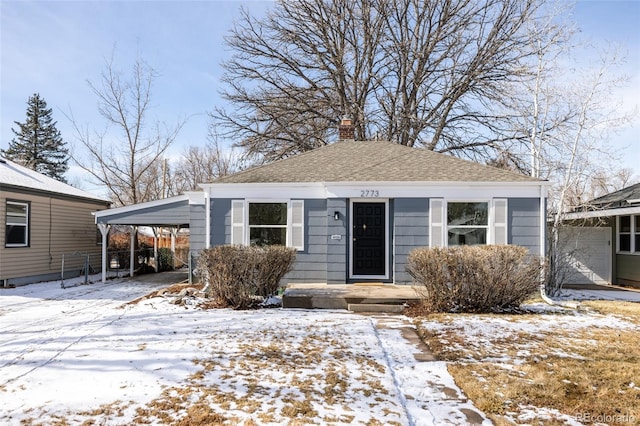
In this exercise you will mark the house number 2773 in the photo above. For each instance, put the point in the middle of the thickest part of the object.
(368, 193)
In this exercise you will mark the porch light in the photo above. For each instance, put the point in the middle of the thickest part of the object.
(336, 215)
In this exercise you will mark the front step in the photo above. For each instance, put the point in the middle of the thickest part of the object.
(391, 298)
(375, 308)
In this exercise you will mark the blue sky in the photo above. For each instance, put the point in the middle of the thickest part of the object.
(53, 47)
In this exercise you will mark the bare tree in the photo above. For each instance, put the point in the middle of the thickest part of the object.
(571, 152)
(204, 164)
(420, 73)
(128, 149)
(601, 181)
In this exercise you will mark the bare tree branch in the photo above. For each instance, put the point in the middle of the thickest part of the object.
(122, 157)
(420, 73)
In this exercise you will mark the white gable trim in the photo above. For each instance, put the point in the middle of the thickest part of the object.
(142, 206)
(622, 211)
(324, 190)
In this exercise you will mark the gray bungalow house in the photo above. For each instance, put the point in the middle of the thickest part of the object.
(354, 210)
(610, 229)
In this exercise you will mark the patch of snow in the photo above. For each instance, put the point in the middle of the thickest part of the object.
(69, 353)
(536, 414)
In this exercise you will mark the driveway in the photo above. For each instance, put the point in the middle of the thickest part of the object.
(82, 354)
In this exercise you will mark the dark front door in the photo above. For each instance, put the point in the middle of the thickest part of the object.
(369, 239)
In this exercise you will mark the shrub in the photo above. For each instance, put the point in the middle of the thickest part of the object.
(240, 277)
(474, 278)
(165, 259)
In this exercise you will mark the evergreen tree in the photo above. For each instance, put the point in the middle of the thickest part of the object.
(38, 144)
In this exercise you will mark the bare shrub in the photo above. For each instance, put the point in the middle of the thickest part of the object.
(474, 278)
(275, 263)
(241, 277)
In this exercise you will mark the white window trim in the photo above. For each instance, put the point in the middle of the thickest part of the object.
(246, 227)
(442, 227)
(437, 228)
(26, 225)
(494, 225)
(386, 238)
(488, 226)
(633, 231)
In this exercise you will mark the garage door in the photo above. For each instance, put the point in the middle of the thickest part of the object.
(587, 252)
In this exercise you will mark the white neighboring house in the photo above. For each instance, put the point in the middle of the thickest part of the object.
(607, 240)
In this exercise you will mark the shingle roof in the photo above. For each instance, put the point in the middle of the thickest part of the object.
(350, 161)
(619, 198)
(15, 175)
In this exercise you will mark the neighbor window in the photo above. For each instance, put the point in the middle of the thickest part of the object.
(17, 224)
(467, 223)
(268, 224)
(629, 234)
(636, 233)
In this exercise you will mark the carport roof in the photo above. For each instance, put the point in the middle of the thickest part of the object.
(167, 212)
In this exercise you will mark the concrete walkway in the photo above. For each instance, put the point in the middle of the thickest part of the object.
(168, 277)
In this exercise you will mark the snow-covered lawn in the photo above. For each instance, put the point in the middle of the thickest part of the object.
(82, 355)
(552, 367)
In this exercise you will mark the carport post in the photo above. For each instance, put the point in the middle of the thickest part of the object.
(155, 248)
(104, 230)
(174, 235)
(132, 248)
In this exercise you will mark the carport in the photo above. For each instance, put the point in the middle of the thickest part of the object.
(175, 213)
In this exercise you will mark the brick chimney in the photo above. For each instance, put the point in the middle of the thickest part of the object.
(346, 129)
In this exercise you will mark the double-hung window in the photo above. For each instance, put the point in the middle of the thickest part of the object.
(629, 234)
(467, 223)
(456, 223)
(266, 223)
(17, 224)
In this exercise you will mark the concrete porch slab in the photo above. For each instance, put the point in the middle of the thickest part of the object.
(340, 296)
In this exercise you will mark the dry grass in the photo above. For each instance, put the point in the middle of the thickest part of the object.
(581, 373)
(628, 310)
(230, 388)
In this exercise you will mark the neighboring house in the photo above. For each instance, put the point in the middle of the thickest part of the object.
(609, 234)
(42, 219)
(354, 210)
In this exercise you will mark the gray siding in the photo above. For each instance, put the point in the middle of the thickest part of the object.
(524, 223)
(220, 221)
(337, 253)
(311, 263)
(325, 257)
(410, 230)
(169, 214)
(197, 232)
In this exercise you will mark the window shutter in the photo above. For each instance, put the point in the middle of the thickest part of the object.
(500, 221)
(436, 222)
(237, 222)
(297, 225)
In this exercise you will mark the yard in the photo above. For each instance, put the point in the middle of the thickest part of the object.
(84, 356)
(552, 369)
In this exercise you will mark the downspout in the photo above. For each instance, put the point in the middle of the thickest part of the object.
(207, 232)
(207, 219)
(543, 249)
